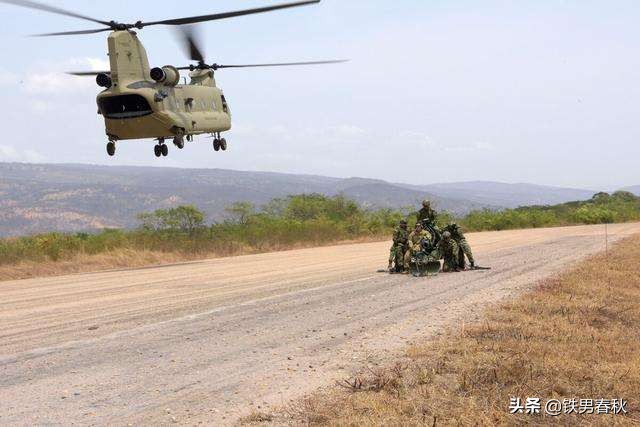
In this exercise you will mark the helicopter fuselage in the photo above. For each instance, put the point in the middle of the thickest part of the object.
(135, 106)
(139, 102)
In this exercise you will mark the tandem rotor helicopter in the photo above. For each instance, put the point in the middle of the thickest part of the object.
(139, 102)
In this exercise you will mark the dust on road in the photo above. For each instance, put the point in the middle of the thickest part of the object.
(209, 340)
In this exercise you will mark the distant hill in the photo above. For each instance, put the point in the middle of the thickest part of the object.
(635, 189)
(38, 197)
(506, 195)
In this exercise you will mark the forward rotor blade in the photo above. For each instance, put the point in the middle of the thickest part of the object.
(225, 15)
(71, 33)
(87, 73)
(282, 64)
(51, 9)
(192, 44)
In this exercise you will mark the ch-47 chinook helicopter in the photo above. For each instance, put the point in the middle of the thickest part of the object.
(140, 102)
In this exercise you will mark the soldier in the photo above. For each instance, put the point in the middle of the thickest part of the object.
(426, 213)
(396, 254)
(413, 245)
(463, 246)
(448, 250)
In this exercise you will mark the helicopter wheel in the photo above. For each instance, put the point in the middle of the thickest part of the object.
(216, 144)
(164, 150)
(157, 150)
(111, 148)
(223, 144)
(178, 142)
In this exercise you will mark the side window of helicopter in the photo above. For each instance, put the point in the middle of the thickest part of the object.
(225, 107)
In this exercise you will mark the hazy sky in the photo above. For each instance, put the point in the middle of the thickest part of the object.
(545, 92)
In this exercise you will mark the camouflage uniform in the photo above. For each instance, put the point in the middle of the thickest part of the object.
(413, 245)
(426, 213)
(448, 250)
(463, 246)
(396, 254)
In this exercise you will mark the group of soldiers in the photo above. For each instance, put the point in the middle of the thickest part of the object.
(431, 242)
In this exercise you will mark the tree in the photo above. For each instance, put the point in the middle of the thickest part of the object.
(241, 211)
(185, 219)
(601, 197)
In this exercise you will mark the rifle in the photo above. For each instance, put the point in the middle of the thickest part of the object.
(477, 267)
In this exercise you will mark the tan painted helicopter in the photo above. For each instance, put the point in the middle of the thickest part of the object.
(140, 102)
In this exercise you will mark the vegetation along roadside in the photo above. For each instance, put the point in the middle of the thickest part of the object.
(181, 233)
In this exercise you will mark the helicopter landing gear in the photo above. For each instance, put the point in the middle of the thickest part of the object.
(161, 149)
(111, 148)
(219, 143)
(178, 141)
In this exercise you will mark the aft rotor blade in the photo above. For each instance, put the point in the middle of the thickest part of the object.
(225, 15)
(192, 44)
(52, 9)
(87, 73)
(281, 64)
(71, 33)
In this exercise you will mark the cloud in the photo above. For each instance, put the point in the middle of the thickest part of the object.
(484, 146)
(11, 154)
(7, 78)
(345, 131)
(54, 79)
(97, 64)
(417, 139)
(39, 106)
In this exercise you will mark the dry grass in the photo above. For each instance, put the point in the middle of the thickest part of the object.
(118, 258)
(575, 336)
(131, 258)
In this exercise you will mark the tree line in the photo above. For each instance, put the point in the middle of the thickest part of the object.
(296, 221)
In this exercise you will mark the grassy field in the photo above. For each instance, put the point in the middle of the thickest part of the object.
(574, 337)
(306, 220)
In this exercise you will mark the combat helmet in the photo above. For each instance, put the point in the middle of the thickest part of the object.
(446, 235)
(426, 203)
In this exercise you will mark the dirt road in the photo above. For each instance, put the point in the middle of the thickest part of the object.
(208, 341)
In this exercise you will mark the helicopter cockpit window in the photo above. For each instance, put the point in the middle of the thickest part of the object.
(124, 107)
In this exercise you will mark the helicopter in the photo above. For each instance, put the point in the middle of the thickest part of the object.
(140, 102)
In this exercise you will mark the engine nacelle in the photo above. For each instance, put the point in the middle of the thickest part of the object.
(104, 80)
(167, 75)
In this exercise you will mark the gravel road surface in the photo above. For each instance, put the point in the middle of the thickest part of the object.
(208, 341)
